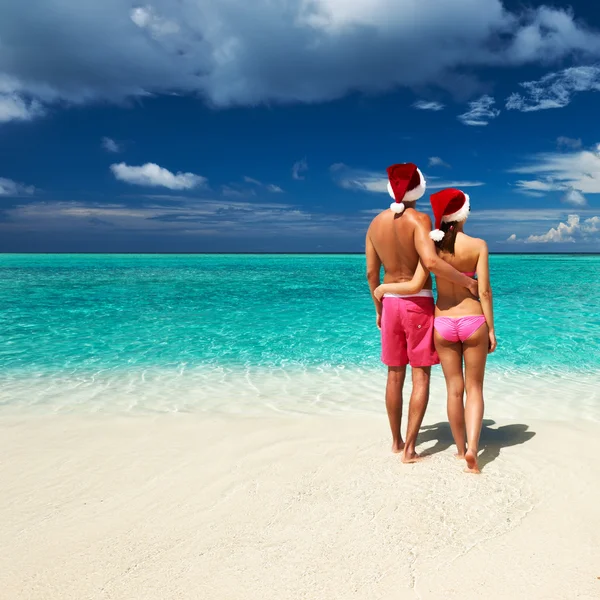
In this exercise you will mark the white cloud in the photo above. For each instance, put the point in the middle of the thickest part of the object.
(152, 175)
(550, 33)
(567, 142)
(502, 224)
(223, 51)
(145, 17)
(574, 229)
(524, 215)
(555, 90)
(15, 108)
(530, 193)
(150, 216)
(564, 171)
(480, 112)
(425, 105)
(270, 187)
(575, 198)
(230, 191)
(436, 161)
(110, 145)
(298, 168)
(537, 186)
(8, 187)
(181, 215)
(439, 185)
(372, 181)
(358, 179)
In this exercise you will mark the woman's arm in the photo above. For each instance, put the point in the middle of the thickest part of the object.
(485, 292)
(406, 287)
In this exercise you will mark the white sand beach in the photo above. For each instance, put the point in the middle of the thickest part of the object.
(304, 507)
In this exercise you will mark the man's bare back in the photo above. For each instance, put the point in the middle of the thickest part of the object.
(393, 238)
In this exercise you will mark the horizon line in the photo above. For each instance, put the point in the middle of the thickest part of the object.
(211, 253)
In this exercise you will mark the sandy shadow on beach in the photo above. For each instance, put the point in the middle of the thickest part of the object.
(491, 443)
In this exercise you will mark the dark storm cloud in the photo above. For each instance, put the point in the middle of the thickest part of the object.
(234, 52)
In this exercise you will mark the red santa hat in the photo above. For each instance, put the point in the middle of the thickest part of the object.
(448, 205)
(405, 184)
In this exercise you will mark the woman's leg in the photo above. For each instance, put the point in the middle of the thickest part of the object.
(475, 351)
(450, 354)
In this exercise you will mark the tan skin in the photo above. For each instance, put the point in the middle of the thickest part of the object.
(401, 244)
(470, 254)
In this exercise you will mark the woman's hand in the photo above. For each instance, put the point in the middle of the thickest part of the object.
(493, 343)
(379, 291)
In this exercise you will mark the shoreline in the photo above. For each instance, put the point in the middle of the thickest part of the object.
(285, 507)
(267, 392)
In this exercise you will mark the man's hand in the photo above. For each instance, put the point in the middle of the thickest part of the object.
(474, 288)
(378, 320)
(432, 262)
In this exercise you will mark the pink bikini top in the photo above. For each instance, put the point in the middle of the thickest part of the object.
(470, 274)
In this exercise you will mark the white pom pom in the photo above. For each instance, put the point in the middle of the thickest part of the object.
(437, 235)
(397, 207)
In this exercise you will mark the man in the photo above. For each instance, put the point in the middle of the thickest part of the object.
(397, 239)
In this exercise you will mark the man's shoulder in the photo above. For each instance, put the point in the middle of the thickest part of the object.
(383, 215)
(418, 217)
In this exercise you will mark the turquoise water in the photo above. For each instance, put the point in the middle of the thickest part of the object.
(254, 333)
(90, 312)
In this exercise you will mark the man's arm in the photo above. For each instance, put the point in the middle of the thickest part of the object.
(373, 274)
(432, 262)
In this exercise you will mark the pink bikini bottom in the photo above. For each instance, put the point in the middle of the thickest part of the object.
(458, 329)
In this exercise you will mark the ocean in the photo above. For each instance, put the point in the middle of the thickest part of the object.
(256, 333)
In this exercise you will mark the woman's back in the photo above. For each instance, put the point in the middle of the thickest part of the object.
(454, 300)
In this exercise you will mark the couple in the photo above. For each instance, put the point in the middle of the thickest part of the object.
(458, 330)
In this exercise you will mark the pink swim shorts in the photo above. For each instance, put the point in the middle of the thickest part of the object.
(407, 332)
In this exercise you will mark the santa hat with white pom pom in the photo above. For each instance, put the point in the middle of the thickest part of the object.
(405, 184)
(449, 206)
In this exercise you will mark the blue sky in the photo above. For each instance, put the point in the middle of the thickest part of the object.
(204, 125)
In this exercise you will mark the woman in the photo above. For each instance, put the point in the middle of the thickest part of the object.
(464, 326)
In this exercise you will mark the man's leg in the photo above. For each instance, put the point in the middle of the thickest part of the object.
(416, 410)
(393, 354)
(393, 404)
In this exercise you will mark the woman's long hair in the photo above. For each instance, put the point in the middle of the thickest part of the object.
(446, 244)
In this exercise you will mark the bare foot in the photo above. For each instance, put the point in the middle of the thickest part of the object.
(459, 456)
(410, 457)
(471, 458)
(397, 447)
